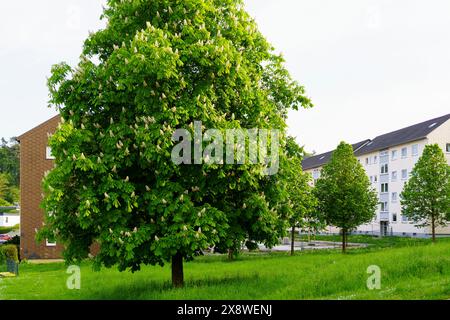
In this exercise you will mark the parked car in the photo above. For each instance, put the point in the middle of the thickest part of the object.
(4, 238)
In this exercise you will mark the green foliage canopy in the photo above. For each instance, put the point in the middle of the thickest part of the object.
(345, 196)
(158, 66)
(426, 196)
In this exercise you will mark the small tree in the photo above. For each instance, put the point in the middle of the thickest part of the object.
(344, 193)
(300, 198)
(426, 196)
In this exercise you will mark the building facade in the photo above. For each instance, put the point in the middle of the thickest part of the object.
(388, 160)
(35, 161)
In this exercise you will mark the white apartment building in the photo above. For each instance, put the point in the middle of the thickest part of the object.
(388, 160)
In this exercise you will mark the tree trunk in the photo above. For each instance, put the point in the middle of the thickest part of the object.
(177, 271)
(433, 229)
(292, 240)
(344, 236)
(230, 254)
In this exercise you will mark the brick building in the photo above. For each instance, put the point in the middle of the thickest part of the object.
(35, 160)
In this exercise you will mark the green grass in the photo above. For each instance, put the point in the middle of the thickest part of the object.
(410, 270)
(4, 230)
(375, 242)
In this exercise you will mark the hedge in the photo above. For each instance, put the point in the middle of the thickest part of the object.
(9, 252)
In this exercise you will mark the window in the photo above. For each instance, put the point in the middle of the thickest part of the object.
(447, 147)
(367, 161)
(394, 176)
(394, 217)
(404, 174)
(375, 179)
(384, 168)
(48, 243)
(394, 196)
(404, 152)
(404, 219)
(375, 159)
(371, 179)
(316, 174)
(384, 187)
(415, 150)
(394, 155)
(6, 219)
(384, 207)
(48, 154)
(384, 156)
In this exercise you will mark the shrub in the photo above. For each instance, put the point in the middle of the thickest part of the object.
(9, 252)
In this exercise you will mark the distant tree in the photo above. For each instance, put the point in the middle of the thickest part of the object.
(426, 196)
(9, 160)
(3, 185)
(159, 66)
(301, 201)
(344, 192)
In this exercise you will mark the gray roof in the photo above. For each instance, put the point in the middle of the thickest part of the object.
(413, 133)
(321, 159)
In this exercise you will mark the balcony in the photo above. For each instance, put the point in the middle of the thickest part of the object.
(384, 216)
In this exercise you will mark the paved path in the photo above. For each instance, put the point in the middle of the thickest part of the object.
(313, 245)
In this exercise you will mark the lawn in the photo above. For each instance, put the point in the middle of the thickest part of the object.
(410, 270)
(4, 230)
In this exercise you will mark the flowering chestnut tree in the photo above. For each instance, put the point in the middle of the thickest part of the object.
(159, 66)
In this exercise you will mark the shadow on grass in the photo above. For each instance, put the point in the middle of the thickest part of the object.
(154, 290)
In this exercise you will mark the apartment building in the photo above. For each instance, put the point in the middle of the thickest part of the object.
(388, 160)
(35, 160)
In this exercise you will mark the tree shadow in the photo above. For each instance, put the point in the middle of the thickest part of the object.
(152, 289)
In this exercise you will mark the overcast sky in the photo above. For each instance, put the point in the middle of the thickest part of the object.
(370, 66)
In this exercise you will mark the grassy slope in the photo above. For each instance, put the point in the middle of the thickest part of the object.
(4, 230)
(411, 270)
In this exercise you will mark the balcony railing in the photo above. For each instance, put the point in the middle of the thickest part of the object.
(384, 216)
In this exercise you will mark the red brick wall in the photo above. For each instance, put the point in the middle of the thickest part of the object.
(33, 165)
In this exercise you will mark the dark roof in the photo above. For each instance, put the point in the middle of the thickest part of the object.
(402, 136)
(395, 138)
(321, 159)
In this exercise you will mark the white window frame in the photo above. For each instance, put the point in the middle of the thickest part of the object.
(394, 199)
(48, 153)
(394, 176)
(405, 177)
(384, 186)
(316, 174)
(404, 153)
(415, 154)
(394, 214)
(384, 169)
(447, 147)
(50, 244)
(394, 155)
(375, 159)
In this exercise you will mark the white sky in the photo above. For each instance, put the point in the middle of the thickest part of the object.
(370, 66)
